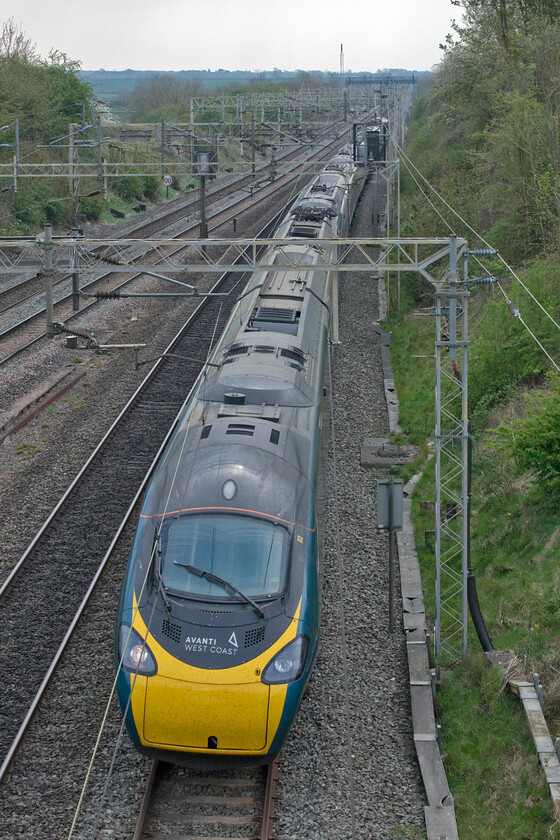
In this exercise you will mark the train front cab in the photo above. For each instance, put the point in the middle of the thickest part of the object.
(187, 714)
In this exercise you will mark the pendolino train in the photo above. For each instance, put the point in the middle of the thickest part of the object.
(218, 619)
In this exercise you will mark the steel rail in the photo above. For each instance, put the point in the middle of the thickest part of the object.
(21, 285)
(44, 528)
(268, 810)
(145, 804)
(70, 631)
(24, 559)
(267, 819)
(280, 184)
(160, 222)
(147, 227)
(29, 413)
(4, 587)
(270, 798)
(192, 226)
(27, 321)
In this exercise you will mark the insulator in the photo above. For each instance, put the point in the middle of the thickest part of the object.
(73, 331)
(514, 309)
(482, 252)
(106, 258)
(107, 295)
(110, 260)
(481, 281)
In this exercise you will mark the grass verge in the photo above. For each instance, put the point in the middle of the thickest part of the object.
(492, 767)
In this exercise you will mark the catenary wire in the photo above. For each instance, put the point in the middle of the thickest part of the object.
(478, 235)
(406, 160)
(517, 314)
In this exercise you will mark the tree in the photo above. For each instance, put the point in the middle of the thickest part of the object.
(42, 93)
(507, 17)
(490, 127)
(15, 45)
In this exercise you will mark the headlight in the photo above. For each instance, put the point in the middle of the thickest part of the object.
(137, 657)
(288, 663)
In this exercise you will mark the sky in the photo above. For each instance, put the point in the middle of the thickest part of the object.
(239, 34)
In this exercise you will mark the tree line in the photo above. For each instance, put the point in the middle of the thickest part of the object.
(167, 96)
(487, 136)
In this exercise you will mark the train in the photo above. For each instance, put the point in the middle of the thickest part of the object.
(217, 625)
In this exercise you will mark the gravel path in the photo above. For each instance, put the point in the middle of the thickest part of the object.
(323, 791)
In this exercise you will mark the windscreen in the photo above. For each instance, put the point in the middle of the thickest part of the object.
(248, 552)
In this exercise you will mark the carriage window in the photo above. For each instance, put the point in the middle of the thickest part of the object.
(248, 552)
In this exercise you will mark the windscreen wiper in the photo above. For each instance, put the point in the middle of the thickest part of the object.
(161, 588)
(227, 585)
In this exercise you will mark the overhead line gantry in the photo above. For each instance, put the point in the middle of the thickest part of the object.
(442, 261)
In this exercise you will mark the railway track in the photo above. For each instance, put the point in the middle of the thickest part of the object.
(205, 805)
(45, 591)
(21, 335)
(176, 211)
(30, 330)
(48, 587)
(38, 798)
(19, 293)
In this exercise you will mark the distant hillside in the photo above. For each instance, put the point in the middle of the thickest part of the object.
(116, 84)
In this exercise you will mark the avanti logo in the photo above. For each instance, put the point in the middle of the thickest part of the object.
(233, 640)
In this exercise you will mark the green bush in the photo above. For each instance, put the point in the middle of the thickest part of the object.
(93, 206)
(38, 202)
(130, 189)
(151, 187)
(534, 441)
(504, 355)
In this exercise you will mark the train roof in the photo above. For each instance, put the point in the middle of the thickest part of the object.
(266, 461)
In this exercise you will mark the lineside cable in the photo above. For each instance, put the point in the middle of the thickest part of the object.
(472, 592)
(476, 614)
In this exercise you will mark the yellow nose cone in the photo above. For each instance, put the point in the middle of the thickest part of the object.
(186, 715)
